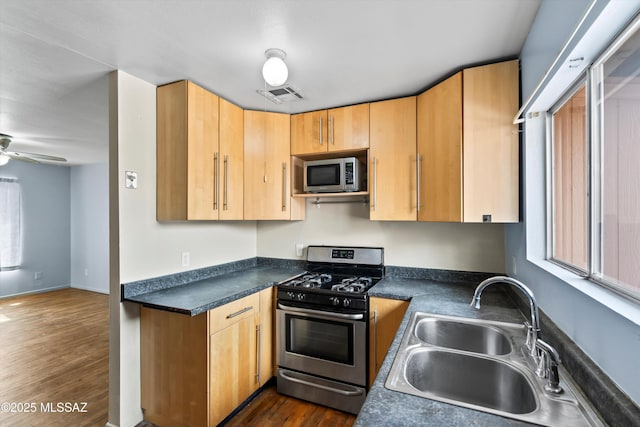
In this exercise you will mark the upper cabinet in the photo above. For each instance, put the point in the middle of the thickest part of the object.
(267, 168)
(337, 129)
(230, 166)
(392, 160)
(440, 151)
(468, 146)
(198, 157)
(187, 137)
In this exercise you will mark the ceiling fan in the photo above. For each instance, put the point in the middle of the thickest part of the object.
(5, 155)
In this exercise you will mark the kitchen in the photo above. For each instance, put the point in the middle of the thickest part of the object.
(150, 249)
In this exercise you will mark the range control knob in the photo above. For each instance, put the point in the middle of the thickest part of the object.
(300, 296)
(346, 302)
(334, 300)
(291, 295)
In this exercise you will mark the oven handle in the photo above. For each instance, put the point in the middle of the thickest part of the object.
(321, 313)
(322, 387)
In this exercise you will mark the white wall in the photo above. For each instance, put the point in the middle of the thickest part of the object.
(90, 227)
(45, 229)
(466, 247)
(141, 247)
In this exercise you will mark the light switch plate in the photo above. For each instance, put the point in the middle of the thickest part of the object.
(131, 179)
(299, 249)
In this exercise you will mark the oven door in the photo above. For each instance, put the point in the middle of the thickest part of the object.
(331, 345)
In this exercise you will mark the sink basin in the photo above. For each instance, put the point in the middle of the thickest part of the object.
(482, 365)
(475, 380)
(465, 336)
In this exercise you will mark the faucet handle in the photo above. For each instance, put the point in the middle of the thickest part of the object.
(548, 366)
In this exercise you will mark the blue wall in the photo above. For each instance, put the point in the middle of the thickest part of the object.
(45, 228)
(604, 325)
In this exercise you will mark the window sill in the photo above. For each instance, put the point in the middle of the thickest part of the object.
(617, 303)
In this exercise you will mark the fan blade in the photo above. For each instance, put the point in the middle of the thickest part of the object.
(18, 156)
(39, 156)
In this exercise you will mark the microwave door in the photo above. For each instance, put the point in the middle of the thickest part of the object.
(324, 178)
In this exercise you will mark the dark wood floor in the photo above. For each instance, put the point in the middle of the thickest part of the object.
(54, 348)
(270, 409)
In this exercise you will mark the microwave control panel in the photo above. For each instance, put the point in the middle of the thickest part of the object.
(348, 173)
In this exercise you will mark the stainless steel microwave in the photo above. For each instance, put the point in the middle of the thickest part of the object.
(334, 175)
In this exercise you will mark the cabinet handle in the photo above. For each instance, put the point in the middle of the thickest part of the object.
(239, 312)
(320, 130)
(331, 135)
(375, 182)
(216, 163)
(375, 341)
(258, 352)
(284, 187)
(418, 160)
(226, 183)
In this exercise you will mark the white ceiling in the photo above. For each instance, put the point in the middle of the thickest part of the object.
(55, 54)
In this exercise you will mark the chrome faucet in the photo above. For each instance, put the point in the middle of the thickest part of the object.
(533, 329)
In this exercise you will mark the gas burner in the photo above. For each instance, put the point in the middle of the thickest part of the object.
(310, 281)
(353, 285)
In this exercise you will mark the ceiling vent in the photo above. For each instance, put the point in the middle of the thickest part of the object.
(281, 94)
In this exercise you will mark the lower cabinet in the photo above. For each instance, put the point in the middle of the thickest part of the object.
(196, 370)
(385, 318)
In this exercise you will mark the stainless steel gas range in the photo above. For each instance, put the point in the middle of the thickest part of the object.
(322, 326)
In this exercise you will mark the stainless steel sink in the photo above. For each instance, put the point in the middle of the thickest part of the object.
(476, 380)
(468, 336)
(482, 365)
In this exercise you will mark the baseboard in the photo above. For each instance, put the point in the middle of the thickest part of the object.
(36, 291)
(89, 288)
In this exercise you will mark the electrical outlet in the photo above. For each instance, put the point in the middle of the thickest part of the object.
(514, 266)
(86, 272)
(38, 275)
(186, 259)
(299, 249)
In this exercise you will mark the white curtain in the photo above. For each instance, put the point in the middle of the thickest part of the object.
(10, 230)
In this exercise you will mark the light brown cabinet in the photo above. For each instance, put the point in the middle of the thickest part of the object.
(196, 370)
(267, 168)
(392, 160)
(468, 146)
(385, 316)
(199, 155)
(333, 130)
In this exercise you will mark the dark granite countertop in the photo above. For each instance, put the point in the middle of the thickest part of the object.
(385, 407)
(199, 296)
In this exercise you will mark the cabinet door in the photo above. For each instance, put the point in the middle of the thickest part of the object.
(348, 128)
(231, 161)
(187, 142)
(392, 160)
(490, 99)
(309, 133)
(440, 151)
(385, 318)
(202, 107)
(267, 171)
(232, 368)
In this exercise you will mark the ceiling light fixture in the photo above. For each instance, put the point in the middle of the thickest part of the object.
(275, 70)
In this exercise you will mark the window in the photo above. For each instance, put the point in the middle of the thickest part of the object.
(594, 219)
(569, 182)
(10, 239)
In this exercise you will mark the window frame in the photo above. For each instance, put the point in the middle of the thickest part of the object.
(592, 79)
